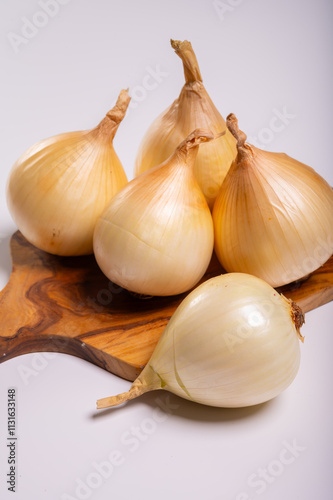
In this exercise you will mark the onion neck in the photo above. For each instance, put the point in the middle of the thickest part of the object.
(245, 152)
(136, 390)
(187, 151)
(188, 156)
(107, 128)
(148, 380)
(191, 67)
(298, 318)
(117, 113)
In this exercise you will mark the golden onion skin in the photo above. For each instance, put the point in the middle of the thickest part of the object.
(60, 186)
(273, 217)
(193, 109)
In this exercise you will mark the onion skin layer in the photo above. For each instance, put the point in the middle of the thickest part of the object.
(192, 109)
(60, 186)
(273, 216)
(232, 342)
(156, 237)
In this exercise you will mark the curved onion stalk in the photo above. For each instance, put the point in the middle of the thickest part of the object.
(156, 236)
(232, 342)
(60, 186)
(273, 216)
(193, 109)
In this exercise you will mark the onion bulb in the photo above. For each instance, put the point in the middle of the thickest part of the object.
(232, 342)
(60, 186)
(193, 109)
(156, 236)
(273, 217)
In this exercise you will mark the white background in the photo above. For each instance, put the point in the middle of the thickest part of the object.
(257, 58)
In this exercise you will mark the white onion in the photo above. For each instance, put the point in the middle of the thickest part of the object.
(232, 342)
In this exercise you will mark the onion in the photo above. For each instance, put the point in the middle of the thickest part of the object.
(156, 236)
(232, 342)
(273, 216)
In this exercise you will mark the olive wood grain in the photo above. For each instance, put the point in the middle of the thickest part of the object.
(66, 304)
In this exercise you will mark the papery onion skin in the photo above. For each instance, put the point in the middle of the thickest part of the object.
(60, 186)
(232, 342)
(273, 217)
(156, 237)
(193, 109)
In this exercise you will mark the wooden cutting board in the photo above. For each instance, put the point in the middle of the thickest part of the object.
(66, 304)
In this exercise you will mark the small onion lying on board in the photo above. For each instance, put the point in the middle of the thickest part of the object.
(232, 342)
